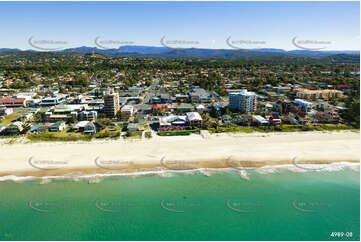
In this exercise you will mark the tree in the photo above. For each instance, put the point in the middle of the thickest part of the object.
(26, 126)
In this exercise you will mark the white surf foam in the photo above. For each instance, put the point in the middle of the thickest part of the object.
(244, 173)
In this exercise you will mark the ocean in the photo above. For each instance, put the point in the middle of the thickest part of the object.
(279, 204)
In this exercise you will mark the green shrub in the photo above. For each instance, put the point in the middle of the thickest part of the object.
(59, 136)
(148, 134)
(174, 133)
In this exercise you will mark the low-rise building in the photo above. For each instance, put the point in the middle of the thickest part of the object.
(127, 109)
(194, 118)
(5, 111)
(13, 102)
(158, 109)
(14, 128)
(52, 100)
(133, 127)
(184, 108)
(282, 89)
(328, 116)
(199, 95)
(258, 119)
(200, 107)
(88, 115)
(172, 120)
(58, 126)
(63, 112)
(316, 94)
(307, 106)
(182, 98)
(87, 127)
(40, 128)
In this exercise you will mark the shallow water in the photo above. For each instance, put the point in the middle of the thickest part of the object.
(282, 205)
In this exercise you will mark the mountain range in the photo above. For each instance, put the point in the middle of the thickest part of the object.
(251, 54)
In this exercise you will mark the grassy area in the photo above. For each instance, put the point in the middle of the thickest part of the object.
(284, 128)
(335, 127)
(174, 133)
(136, 134)
(108, 133)
(148, 134)
(59, 136)
(9, 118)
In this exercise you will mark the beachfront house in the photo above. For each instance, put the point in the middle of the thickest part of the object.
(194, 118)
(40, 128)
(87, 127)
(63, 112)
(259, 120)
(307, 106)
(58, 126)
(172, 120)
(14, 128)
(2, 129)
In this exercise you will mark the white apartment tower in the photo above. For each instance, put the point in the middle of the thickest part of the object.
(111, 103)
(243, 101)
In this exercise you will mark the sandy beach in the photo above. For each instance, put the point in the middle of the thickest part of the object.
(178, 153)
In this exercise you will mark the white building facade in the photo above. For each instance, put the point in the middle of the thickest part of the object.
(243, 101)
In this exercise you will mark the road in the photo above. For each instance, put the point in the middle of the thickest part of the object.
(140, 115)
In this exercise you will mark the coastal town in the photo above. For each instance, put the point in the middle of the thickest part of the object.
(180, 120)
(199, 96)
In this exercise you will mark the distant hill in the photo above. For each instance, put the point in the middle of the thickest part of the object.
(8, 49)
(265, 54)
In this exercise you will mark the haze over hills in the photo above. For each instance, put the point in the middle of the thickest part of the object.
(250, 54)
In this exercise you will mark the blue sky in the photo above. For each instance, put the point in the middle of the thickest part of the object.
(204, 24)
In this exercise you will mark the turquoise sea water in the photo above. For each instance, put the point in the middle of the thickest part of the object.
(224, 206)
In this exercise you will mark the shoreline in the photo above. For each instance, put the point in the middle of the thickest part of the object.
(96, 177)
(238, 151)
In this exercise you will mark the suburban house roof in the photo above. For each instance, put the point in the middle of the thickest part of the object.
(127, 108)
(81, 124)
(185, 106)
(168, 120)
(159, 106)
(194, 116)
(200, 106)
(57, 124)
(12, 100)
